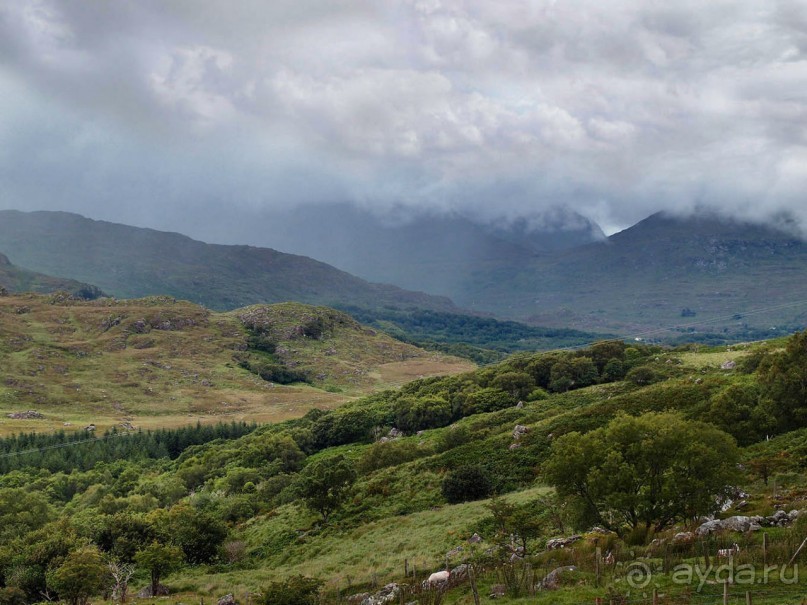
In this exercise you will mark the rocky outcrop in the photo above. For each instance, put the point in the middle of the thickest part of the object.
(556, 543)
(740, 523)
(553, 578)
(27, 415)
(146, 593)
(389, 594)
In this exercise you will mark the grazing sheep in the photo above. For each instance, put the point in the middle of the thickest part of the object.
(725, 553)
(609, 558)
(438, 577)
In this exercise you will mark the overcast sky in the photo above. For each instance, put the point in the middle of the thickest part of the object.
(173, 113)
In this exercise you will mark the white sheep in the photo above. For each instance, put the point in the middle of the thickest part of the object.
(438, 577)
(725, 553)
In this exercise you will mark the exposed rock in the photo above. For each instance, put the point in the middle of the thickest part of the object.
(556, 543)
(90, 428)
(497, 591)
(520, 405)
(552, 579)
(475, 539)
(145, 592)
(27, 415)
(519, 431)
(514, 446)
(388, 594)
(459, 573)
(741, 523)
(683, 537)
(454, 552)
(728, 365)
(358, 597)
(227, 599)
(395, 433)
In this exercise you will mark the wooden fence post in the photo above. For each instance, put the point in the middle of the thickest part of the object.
(406, 568)
(725, 593)
(765, 549)
(472, 580)
(655, 596)
(748, 597)
(597, 566)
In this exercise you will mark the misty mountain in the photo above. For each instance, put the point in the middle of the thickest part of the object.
(130, 262)
(662, 272)
(16, 279)
(435, 253)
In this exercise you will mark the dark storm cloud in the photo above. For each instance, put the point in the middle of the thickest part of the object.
(156, 112)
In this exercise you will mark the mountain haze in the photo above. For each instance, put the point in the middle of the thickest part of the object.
(129, 262)
(430, 252)
(661, 272)
(16, 279)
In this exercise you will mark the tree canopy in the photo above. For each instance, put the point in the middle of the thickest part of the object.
(648, 471)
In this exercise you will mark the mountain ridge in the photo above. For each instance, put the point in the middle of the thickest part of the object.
(650, 274)
(132, 262)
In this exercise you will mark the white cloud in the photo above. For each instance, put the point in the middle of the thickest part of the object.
(617, 108)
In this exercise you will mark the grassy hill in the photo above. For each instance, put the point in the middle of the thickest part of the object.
(15, 279)
(129, 262)
(662, 272)
(161, 362)
(396, 521)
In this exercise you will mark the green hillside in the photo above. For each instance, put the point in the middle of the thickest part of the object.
(15, 279)
(660, 273)
(159, 362)
(129, 262)
(340, 497)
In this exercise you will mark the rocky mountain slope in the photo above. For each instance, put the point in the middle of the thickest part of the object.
(664, 271)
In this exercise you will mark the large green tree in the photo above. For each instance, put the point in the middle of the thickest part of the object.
(81, 576)
(648, 471)
(783, 376)
(159, 560)
(325, 484)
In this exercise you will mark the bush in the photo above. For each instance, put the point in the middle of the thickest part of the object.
(297, 590)
(381, 455)
(488, 399)
(467, 483)
(417, 414)
(537, 394)
(642, 376)
(12, 596)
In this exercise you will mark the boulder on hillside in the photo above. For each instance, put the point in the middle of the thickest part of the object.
(146, 593)
(552, 580)
(459, 573)
(27, 415)
(556, 543)
(389, 594)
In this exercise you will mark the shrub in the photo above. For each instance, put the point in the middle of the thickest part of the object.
(426, 413)
(642, 376)
(466, 483)
(297, 590)
(12, 596)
